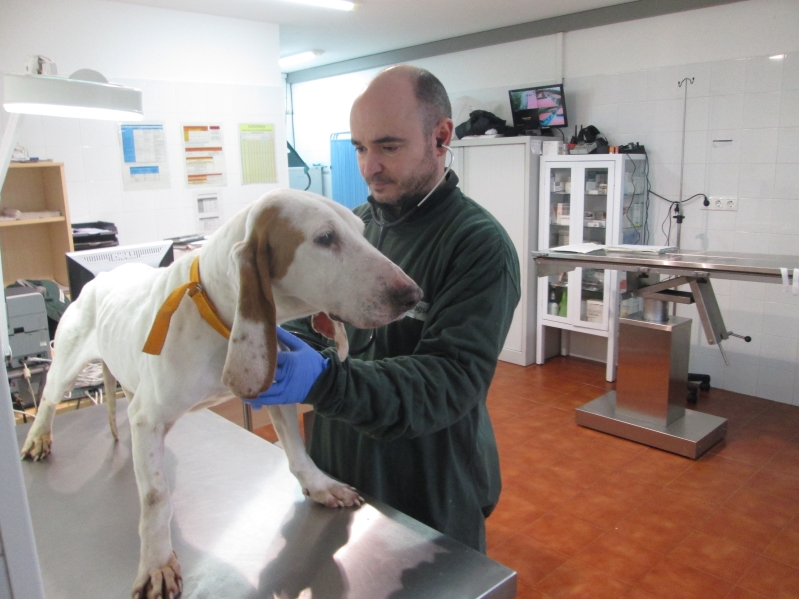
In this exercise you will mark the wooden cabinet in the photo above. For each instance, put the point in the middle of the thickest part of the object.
(34, 248)
(501, 174)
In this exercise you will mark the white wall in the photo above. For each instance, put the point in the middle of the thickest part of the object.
(190, 68)
(623, 79)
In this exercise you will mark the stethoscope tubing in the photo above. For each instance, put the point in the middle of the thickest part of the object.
(388, 225)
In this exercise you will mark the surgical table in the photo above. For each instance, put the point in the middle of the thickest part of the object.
(241, 528)
(648, 405)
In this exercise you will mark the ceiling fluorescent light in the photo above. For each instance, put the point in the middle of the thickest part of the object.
(777, 57)
(293, 60)
(337, 4)
(86, 94)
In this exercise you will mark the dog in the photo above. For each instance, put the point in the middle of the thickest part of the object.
(288, 255)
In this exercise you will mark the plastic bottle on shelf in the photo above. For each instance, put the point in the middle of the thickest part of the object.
(552, 306)
(564, 302)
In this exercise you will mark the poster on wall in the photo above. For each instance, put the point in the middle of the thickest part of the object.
(257, 142)
(205, 160)
(144, 164)
(209, 214)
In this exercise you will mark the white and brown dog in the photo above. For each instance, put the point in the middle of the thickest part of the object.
(289, 254)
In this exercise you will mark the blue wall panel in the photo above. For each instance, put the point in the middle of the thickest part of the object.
(349, 188)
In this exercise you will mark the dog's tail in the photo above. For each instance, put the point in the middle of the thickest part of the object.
(110, 385)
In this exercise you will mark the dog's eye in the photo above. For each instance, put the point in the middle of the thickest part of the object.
(325, 240)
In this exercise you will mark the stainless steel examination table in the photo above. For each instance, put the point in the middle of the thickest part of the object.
(648, 405)
(241, 526)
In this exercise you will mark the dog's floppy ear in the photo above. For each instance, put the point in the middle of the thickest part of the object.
(332, 329)
(252, 350)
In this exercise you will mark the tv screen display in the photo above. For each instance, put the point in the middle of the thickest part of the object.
(539, 107)
(83, 266)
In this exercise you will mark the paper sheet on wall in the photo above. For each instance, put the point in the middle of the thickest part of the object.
(257, 143)
(144, 164)
(209, 212)
(205, 160)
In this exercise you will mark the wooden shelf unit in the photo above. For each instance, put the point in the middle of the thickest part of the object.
(35, 248)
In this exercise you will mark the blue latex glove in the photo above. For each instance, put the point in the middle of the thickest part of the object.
(296, 372)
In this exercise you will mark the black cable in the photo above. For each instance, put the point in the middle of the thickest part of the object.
(646, 198)
(663, 224)
(630, 207)
(563, 137)
(676, 205)
(307, 174)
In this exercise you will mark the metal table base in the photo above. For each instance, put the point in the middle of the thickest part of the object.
(690, 436)
(241, 528)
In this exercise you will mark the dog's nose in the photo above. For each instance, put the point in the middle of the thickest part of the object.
(406, 297)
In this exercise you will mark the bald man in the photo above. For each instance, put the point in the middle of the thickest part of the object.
(406, 420)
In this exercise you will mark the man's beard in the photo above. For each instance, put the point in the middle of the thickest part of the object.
(414, 188)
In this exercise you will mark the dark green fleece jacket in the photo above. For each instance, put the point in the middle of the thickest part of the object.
(406, 421)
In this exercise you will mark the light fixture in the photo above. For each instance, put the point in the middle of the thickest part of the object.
(293, 60)
(777, 57)
(86, 94)
(337, 4)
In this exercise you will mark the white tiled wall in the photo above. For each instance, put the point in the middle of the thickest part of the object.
(755, 103)
(91, 153)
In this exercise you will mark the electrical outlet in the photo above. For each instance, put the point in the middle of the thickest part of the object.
(725, 204)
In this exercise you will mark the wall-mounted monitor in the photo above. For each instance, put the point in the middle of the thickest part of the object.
(538, 107)
(83, 266)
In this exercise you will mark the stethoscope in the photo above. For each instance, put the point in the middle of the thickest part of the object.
(385, 225)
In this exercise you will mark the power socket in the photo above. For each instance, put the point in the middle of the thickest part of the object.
(724, 204)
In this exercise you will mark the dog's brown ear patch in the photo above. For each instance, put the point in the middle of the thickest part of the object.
(263, 257)
(252, 349)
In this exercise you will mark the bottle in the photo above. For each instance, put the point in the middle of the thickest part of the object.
(564, 302)
(552, 306)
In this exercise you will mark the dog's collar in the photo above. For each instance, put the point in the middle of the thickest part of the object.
(157, 337)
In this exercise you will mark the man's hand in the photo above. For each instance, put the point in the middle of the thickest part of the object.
(296, 372)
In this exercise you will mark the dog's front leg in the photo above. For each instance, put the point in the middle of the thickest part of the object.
(315, 484)
(159, 571)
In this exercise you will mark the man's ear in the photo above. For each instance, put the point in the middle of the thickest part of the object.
(443, 135)
(252, 349)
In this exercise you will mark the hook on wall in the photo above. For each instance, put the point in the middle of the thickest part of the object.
(688, 79)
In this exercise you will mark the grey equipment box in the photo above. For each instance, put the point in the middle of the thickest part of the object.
(28, 333)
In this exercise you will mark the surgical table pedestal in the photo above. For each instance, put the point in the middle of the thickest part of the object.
(648, 405)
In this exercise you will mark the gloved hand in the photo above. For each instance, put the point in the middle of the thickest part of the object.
(296, 372)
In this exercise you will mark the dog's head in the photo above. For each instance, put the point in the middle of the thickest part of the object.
(309, 253)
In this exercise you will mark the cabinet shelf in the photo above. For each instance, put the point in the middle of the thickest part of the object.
(34, 248)
(32, 221)
(558, 226)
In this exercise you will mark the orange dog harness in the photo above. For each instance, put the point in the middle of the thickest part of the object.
(157, 337)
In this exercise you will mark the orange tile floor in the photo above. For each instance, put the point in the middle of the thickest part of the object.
(588, 515)
(585, 515)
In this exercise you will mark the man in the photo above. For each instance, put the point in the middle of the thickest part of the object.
(406, 421)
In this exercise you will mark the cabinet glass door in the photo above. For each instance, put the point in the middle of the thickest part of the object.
(595, 220)
(595, 205)
(560, 205)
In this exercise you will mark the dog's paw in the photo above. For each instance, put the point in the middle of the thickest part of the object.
(37, 448)
(160, 583)
(334, 494)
